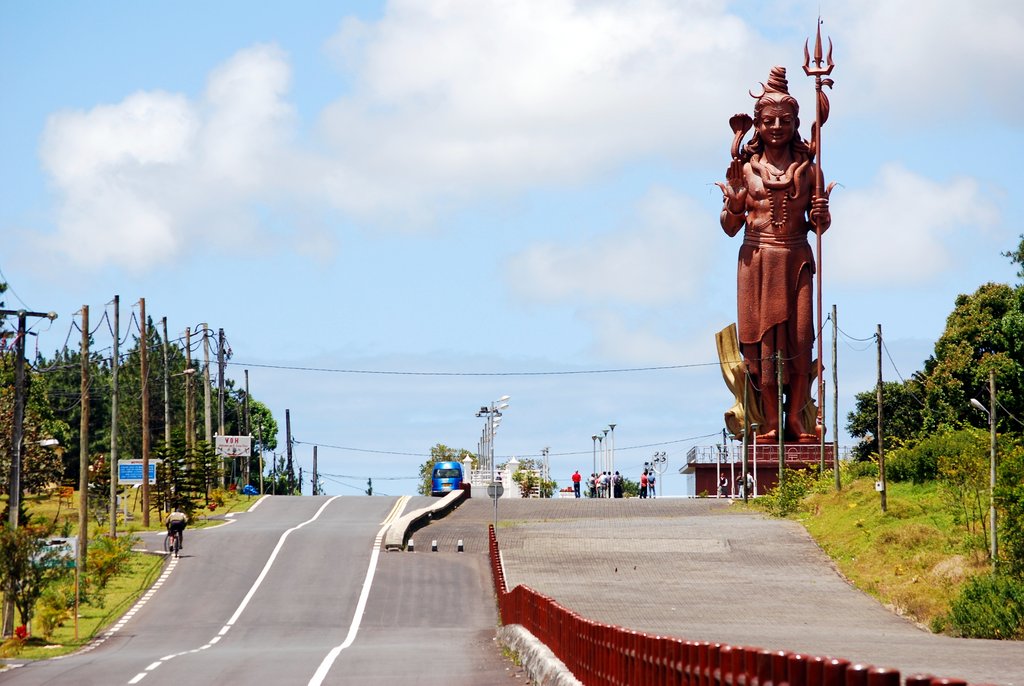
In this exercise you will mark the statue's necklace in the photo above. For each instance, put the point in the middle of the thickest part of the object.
(777, 183)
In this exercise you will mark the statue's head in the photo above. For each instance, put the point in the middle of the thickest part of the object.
(776, 92)
(773, 101)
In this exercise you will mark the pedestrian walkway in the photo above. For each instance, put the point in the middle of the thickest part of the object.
(699, 570)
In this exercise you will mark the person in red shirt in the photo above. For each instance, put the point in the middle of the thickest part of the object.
(576, 482)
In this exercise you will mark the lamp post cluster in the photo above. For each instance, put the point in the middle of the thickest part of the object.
(658, 466)
(604, 444)
(492, 413)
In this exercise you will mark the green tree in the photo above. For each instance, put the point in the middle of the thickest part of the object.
(983, 334)
(40, 465)
(529, 480)
(901, 416)
(964, 475)
(1010, 503)
(27, 567)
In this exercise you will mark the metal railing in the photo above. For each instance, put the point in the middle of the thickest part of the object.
(608, 655)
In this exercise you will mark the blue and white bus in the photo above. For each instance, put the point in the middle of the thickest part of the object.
(445, 478)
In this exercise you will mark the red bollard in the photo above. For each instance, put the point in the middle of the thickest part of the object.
(835, 671)
(780, 667)
(750, 665)
(764, 668)
(857, 675)
(881, 676)
(919, 680)
(796, 669)
(815, 671)
(727, 664)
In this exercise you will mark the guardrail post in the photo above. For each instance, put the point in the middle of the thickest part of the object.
(880, 676)
(857, 675)
(835, 672)
(796, 670)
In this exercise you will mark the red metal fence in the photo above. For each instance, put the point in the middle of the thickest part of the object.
(603, 654)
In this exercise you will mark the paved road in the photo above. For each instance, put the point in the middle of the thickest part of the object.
(262, 601)
(695, 570)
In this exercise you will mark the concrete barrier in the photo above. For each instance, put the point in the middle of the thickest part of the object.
(398, 532)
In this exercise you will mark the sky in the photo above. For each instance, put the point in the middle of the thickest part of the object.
(401, 211)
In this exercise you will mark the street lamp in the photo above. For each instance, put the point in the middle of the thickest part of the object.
(605, 460)
(658, 466)
(991, 412)
(593, 473)
(611, 457)
(493, 415)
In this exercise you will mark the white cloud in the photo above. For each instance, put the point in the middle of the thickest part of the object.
(658, 259)
(933, 58)
(461, 102)
(139, 179)
(457, 99)
(898, 230)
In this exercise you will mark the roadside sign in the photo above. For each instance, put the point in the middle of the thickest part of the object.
(60, 552)
(130, 471)
(494, 490)
(233, 446)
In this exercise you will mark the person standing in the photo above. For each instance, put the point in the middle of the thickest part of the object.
(576, 482)
(643, 484)
(650, 485)
(723, 486)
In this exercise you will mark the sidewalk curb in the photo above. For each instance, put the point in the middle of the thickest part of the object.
(540, 663)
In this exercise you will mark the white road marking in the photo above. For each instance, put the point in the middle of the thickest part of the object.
(357, 617)
(245, 601)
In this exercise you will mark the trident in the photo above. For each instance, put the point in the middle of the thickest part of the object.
(822, 67)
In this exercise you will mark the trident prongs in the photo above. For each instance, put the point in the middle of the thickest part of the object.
(818, 70)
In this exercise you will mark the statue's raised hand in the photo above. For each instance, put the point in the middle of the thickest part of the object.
(734, 190)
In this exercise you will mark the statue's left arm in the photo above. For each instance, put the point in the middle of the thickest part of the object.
(819, 213)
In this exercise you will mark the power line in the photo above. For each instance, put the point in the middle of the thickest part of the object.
(385, 372)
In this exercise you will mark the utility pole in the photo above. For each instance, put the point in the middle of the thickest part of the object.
(746, 433)
(167, 388)
(881, 449)
(14, 487)
(190, 409)
(220, 398)
(835, 399)
(261, 457)
(288, 439)
(220, 382)
(993, 543)
(782, 424)
(115, 364)
(207, 401)
(248, 428)
(144, 364)
(314, 471)
(83, 449)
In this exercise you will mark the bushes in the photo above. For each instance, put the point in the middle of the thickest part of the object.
(990, 606)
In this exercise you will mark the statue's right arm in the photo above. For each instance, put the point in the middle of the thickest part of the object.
(734, 199)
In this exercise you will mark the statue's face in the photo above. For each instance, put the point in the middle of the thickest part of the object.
(777, 124)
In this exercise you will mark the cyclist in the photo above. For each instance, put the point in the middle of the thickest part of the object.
(176, 522)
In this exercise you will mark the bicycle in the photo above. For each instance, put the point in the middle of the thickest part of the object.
(172, 543)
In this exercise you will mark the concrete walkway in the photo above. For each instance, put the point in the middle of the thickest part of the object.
(697, 570)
